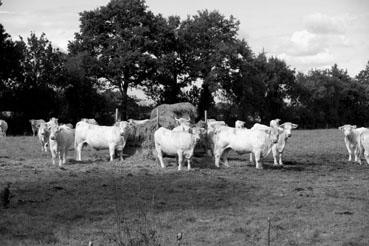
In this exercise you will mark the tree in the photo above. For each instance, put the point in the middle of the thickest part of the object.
(205, 38)
(42, 75)
(118, 41)
(363, 76)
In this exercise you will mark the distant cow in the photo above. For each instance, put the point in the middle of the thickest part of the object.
(70, 125)
(101, 137)
(53, 122)
(180, 143)
(35, 124)
(258, 142)
(3, 127)
(61, 140)
(43, 136)
(138, 122)
(278, 148)
(183, 125)
(89, 121)
(352, 138)
(239, 124)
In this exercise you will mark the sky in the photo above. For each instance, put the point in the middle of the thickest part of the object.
(307, 34)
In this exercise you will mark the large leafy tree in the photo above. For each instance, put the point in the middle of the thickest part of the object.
(10, 66)
(205, 38)
(42, 75)
(119, 43)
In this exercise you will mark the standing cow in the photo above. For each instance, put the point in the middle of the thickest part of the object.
(278, 148)
(180, 143)
(43, 134)
(60, 141)
(257, 142)
(101, 137)
(3, 127)
(35, 124)
(352, 138)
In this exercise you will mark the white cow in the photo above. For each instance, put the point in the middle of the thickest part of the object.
(278, 148)
(138, 122)
(364, 146)
(239, 124)
(61, 140)
(43, 134)
(53, 122)
(183, 125)
(35, 124)
(244, 141)
(264, 128)
(3, 127)
(178, 143)
(89, 121)
(101, 137)
(352, 138)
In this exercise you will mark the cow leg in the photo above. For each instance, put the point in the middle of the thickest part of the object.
(60, 154)
(275, 154)
(65, 156)
(111, 151)
(251, 161)
(280, 159)
(217, 154)
(79, 151)
(259, 165)
(189, 164)
(357, 154)
(180, 160)
(225, 157)
(53, 155)
(349, 150)
(366, 155)
(160, 157)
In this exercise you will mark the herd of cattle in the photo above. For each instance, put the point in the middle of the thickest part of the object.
(216, 137)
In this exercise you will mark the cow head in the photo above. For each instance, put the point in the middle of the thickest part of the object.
(197, 132)
(125, 127)
(287, 128)
(54, 131)
(347, 129)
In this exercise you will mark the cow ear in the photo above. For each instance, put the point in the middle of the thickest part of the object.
(283, 125)
(354, 126)
(294, 126)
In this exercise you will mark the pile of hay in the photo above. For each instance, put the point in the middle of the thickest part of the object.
(168, 113)
(142, 135)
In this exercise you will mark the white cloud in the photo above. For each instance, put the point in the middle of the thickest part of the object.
(323, 24)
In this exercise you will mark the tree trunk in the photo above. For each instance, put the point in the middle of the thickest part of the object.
(123, 105)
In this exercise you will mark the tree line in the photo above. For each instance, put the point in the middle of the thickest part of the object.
(199, 59)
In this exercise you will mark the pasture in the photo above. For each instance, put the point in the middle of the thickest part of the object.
(317, 198)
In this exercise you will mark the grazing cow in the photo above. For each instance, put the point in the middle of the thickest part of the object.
(43, 136)
(244, 141)
(352, 138)
(101, 137)
(61, 140)
(178, 143)
(239, 124)
(89, 121)
(278, 148)
(3, 127)
(35, 124)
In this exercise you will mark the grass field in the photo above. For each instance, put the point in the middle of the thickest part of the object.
(317, 198)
